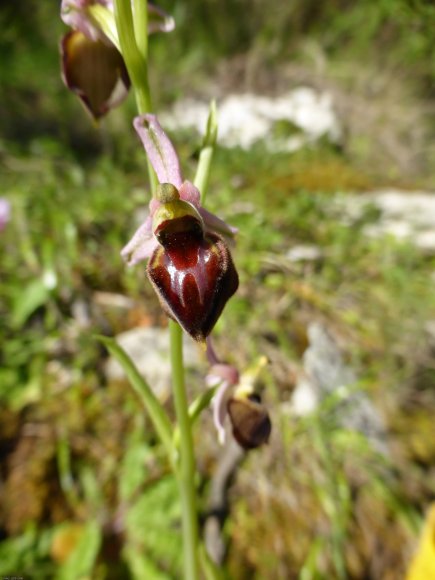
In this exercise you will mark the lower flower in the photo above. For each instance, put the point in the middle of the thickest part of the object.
(237, 397)
(249, 419)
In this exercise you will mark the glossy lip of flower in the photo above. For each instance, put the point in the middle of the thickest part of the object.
(165, 162)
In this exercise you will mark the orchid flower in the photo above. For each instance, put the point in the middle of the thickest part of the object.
(165, 162)
(92, 66)
(237, 398)
(190, 265)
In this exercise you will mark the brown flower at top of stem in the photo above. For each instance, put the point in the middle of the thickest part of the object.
(91, 65)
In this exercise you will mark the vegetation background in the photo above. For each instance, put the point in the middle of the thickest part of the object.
(84, 491)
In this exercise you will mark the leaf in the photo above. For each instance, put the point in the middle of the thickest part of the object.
(200, 403)
(211, 569)
(142, 567)
(28, 554)
(29, 299)
(152, 525)
(81, 562)
(206, 154)
(195, 409)
(133, 468)
(155, 410)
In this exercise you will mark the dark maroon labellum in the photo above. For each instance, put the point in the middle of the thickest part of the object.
(166, 231)
(194, 276)
(250, 420)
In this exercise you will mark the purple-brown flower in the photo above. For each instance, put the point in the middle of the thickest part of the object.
(190, 265)
(92, 66)
(237, 398)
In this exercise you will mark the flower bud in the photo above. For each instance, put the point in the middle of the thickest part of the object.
(250, 420)
(94, 71)
(193, 275)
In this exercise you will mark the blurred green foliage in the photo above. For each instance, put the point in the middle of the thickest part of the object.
(85, 491)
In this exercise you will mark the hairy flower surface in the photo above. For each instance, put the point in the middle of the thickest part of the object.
(190, 265)
(92, 66)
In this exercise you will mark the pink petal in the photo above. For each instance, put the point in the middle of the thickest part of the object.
(154, 205)
(220, 409)
(75, 15)
(188, 192)
(216, 225)
(159, 149)
(141, 245)
(226, 373)
(5, 211)
(213, 224)
(228, 376)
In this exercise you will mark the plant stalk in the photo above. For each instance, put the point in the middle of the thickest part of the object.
(133, 39)
(140, 23)
(187, 468)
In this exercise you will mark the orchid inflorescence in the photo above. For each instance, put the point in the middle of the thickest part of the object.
(192, 271)
(187, 248)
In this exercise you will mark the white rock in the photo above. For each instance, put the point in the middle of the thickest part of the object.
(246, 118)
(406, 215)
(304, 253)
(326, 374)
(304, 399)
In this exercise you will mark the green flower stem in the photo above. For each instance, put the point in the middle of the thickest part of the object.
(185, 416)
(133, 40)
(201, 177)
(195, 410)
(187, 468)
(201, 403)
(135, 61)
(141, 27)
